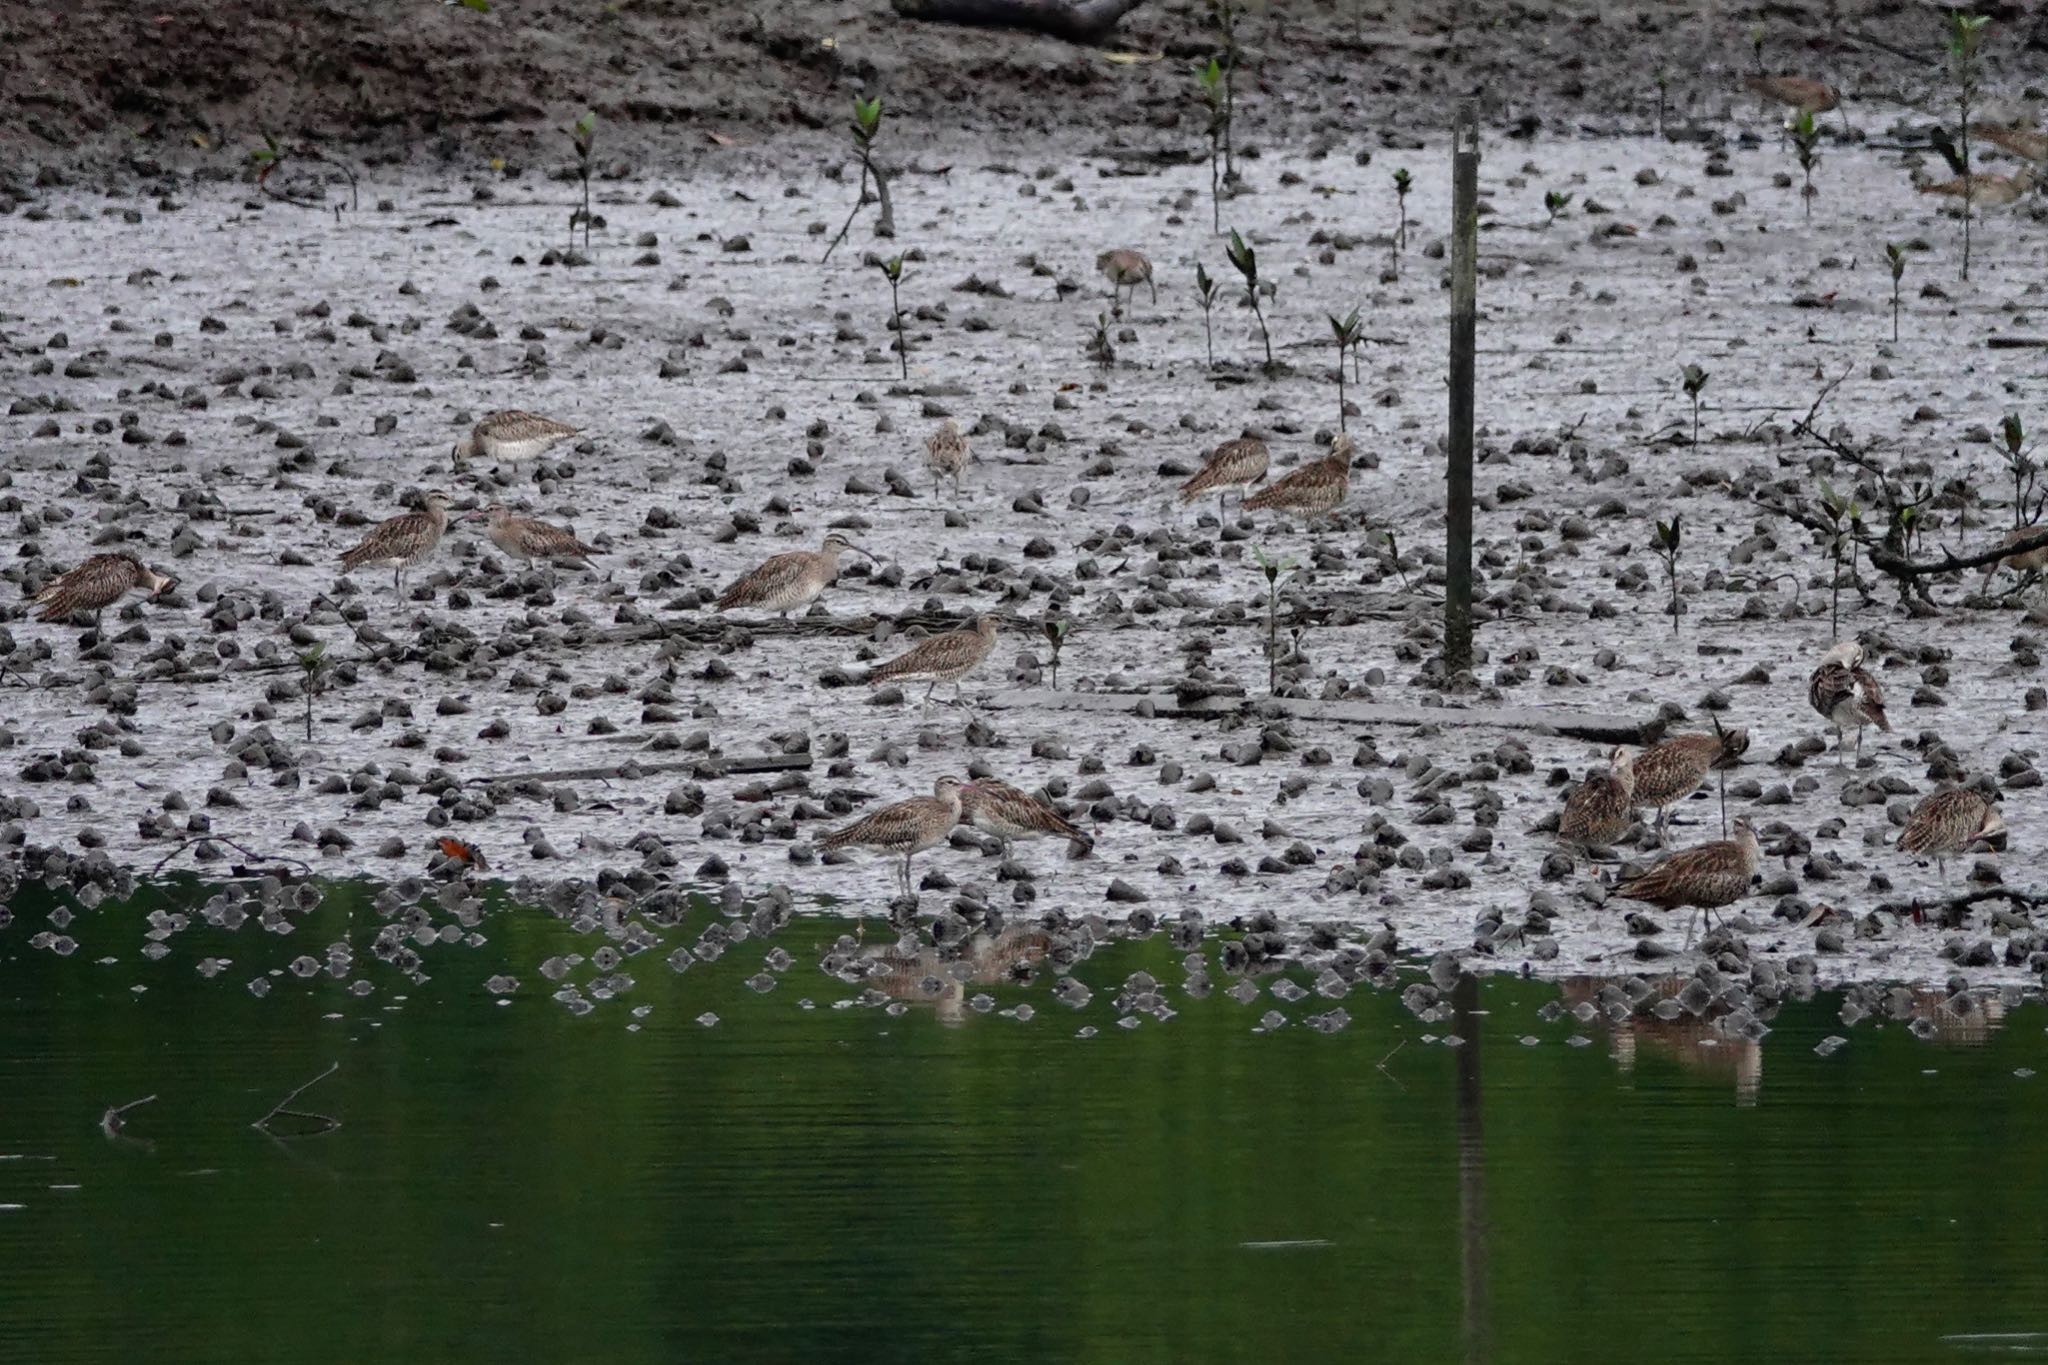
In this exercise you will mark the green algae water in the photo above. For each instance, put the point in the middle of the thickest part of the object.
(755, 1159)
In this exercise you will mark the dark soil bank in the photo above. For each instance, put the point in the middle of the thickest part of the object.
(402, 77)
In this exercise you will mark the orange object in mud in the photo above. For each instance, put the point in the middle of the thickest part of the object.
(455, 850)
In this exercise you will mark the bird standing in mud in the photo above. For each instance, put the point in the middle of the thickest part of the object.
(1669, 772)
(1706, 877)
(1843, 691)
(1234, 464)
(1002, 810)
(785, 582)
(1126, 269)
(402, 541)
(96, 584)
(1315, 488)
(906, 827)
(1601, 808)
(1986, 190)
(512, 435)
(946, 455)
(2023, 562)
(1949, 822)
(942, 658)
(528, 538)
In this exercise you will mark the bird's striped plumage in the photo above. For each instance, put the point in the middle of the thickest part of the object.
(1984, 189)
(512, 435)
(1802, 94)
(1600, 808)
(1313, 489)
(97, 583)
(1843, 691)
(907, 828)
(1127, 269)
(1002, 810)
(1707, 876)
(2026, 561)
(529, 538)
(1669, 772)
(2028, 144)
(1234, 464)
(942, 658)
(1948, 822)
(788, 581)
(946, 454)
(400, 542)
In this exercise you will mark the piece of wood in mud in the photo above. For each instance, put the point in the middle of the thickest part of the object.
(2016, 343)
(707, 768)
(1588, 725)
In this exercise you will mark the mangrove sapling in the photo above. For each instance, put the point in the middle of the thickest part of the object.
(1346, 331)
(1209, 84)
(1663, 97)
(1805, 141)
(1207, 291)
(867, 127)
(1554, 202)
(1247, 262)
(1896, 259)
(1056, 635)
(1694, 379)
(583, 134)
(1847, 520)
(1965, 36)
(1273, 568)
(1666, 547)
(314, 666)
(1402, 184)
(2029, 496)
(273, 154)
(1226, 22)
(892, 271)
(1099, 348)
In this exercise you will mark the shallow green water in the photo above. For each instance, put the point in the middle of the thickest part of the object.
(801, 1181)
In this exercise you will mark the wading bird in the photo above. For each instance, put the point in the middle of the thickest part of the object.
(402, 541)
(1705, 877)
(946, 455)
(1600, 809)
(907, 827)
(1949, 822)
(942, 658)
(1126, 269)
(1002, 810)
(1315, 488)
(1843, 691)
(528, 538)
(96, 584)
(788, 581)
(1234, 464)
(512, 435)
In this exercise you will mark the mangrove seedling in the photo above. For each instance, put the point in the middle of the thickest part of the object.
(1896, 259)
(867, 126)
(272, 154)
(2029, 498)
(1965, 37)
(1554, 202)
(313, 669)
(1756, 46)
(1402, 184)
(1273, 568)
(1207, 291)
(583, 134)
(1247, 262)
(1226, 23)
(1845, 519)
(1663, 97)
(1209, 85)
(1805, 142)
(1694, 379)
(1666, 546)
(1099, 349)
(892, 271)
(1056, 635)
(1346, 331)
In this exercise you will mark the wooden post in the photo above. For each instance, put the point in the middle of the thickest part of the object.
(1464, 312)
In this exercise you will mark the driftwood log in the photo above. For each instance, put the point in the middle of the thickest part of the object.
(1077, 21)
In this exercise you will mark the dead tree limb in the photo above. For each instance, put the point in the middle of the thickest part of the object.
(1077, 21)
(111, 1122)
(1898, 566)
(327, 1121)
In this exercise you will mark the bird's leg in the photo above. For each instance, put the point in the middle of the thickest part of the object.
(1220, 494)
(1149, 285)
(933, 686)
(1722, 774)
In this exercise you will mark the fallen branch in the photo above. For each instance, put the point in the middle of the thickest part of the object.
(1950, 911)
(1898, 566)
(1077, 21)
(237, 846)
(1576, 724)
(277, 1110)
(110, 1122)
(704, 769)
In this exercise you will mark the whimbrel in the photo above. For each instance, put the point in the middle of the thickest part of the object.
(907, 827)
(1801, 94)
(942, 658)
(2026, 561)
(96, 584)
(788, 581)
(1126, 269)
(1002, 810)
(1846, 694)
(1704, 877)
(512, 435)
(1986, 190)
(1313, 489)
(402, 541)
(528, 538)
(946, 453)
(1234, 464)
(2028, 144)
(1669, 772)
(1948, 822)
(1599, 809)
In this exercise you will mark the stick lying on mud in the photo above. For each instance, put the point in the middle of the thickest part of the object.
(1077, 21)
(702, 768)
(1576, 724)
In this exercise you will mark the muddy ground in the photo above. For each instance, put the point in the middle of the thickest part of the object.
(235, 388)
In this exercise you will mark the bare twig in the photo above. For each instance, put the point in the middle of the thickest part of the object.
(1381, 1065)
(279, 1110)
(234, 844)
(110, 1122)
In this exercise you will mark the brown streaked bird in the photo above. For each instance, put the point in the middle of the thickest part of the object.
(1599, 810)
(942, 658)
(1312, 490)
(1002, 810)
(1669, 772)
(512, 435)
(787, 581)
(2028, 144)
(907, 827)
(2026, 561)
(1234, 464)
(529, 538)
(97, 583)
(1126, 269)
(946, 454)
(1986, 190)
(1800, 94)
(1705, 877)
(400, 542)
(1948, 822)
(1843, 691)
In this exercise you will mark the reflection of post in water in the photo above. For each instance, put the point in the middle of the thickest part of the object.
(1471, 1165)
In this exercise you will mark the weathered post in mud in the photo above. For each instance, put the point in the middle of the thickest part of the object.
(1464, 312)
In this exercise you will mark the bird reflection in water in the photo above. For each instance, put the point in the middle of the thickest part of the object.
(939, 976)
(1698, 1042)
